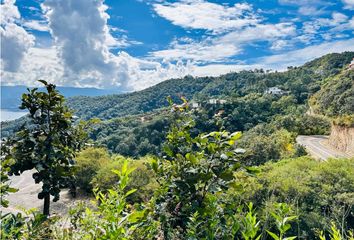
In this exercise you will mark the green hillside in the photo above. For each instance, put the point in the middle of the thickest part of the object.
(336, 96)
(301, 81)
(226, 168)
(135, 124)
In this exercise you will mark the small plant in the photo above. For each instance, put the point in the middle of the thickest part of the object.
(282, 221)
(335, 234)
(113, 218)
(250, 225)
(27, 225)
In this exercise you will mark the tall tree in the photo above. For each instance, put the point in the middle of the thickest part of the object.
(47, 144)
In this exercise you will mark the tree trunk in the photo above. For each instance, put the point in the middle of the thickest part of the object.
(46, 204)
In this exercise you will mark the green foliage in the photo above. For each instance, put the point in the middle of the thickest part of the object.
(5, 188)
(29, 225)
(133, 136)
(320, 192)
(344, 120)
(336, 96)
(95, 170)
(87, 163)
(49, 145)
(250, 225)
(263, 144)
(142, 178)
(282, 219)
(110, 219)
(194, 171)
(202, 188)
(335, 234)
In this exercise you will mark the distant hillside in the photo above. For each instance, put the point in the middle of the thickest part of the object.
(11, 95)
(135, 124)
(302, 81)
(336, 96)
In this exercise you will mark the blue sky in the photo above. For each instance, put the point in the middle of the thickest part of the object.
(133, 44)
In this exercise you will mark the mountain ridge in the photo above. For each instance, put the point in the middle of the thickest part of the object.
(302, 81)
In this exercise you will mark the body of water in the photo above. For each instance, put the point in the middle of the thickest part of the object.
(8, 114)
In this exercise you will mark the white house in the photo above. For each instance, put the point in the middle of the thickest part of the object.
(213, 101)
(275, 91)
(195, 105)
(217, 101)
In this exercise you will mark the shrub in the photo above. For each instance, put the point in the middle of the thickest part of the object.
(320, 192)
(142, 178)
(88, 162)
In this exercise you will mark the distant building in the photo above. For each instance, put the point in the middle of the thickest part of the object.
(217, 101)
(275, 91)
(195, 104)
(213, 101)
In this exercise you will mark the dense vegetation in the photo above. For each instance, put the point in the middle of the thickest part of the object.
(301, 81)
(187, 172)
(201, 189)
(336, 98)
(135, 124)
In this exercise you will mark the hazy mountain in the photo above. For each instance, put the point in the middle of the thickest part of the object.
(11, 95)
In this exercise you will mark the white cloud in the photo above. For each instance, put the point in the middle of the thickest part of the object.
(80, 30)
(327, 28)
(348, 4)
(278, 62)
(311, 10)
(80, 55)
(82, 40)
(46, 63)
(207, 50)
(265, 32)
(221, 48)
(36, 25)
(308, 7)
(228, 36)
(199, 14)
(301, 56)
(219, 69)
(15, 41)
(39, 63)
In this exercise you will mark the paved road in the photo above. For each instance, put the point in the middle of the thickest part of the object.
(319, 147)
(27, 196)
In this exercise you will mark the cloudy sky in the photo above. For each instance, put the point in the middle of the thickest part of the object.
(133, 44)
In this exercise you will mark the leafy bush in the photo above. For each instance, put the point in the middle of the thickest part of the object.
(320, 192)
(263, 144)
(142, 178)
(88, 162)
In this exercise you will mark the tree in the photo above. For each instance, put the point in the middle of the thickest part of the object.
(193, 171)
(47, 144)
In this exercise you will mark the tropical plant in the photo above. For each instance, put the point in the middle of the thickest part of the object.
(48, 144)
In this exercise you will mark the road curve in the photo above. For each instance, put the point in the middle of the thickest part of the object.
(319, 148)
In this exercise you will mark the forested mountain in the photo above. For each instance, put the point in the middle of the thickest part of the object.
(135, 124)
(336, 96)
(301, 81)
(204, 164)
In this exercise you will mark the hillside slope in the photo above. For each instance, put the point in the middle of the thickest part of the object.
(336, 96)
(301, 81)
